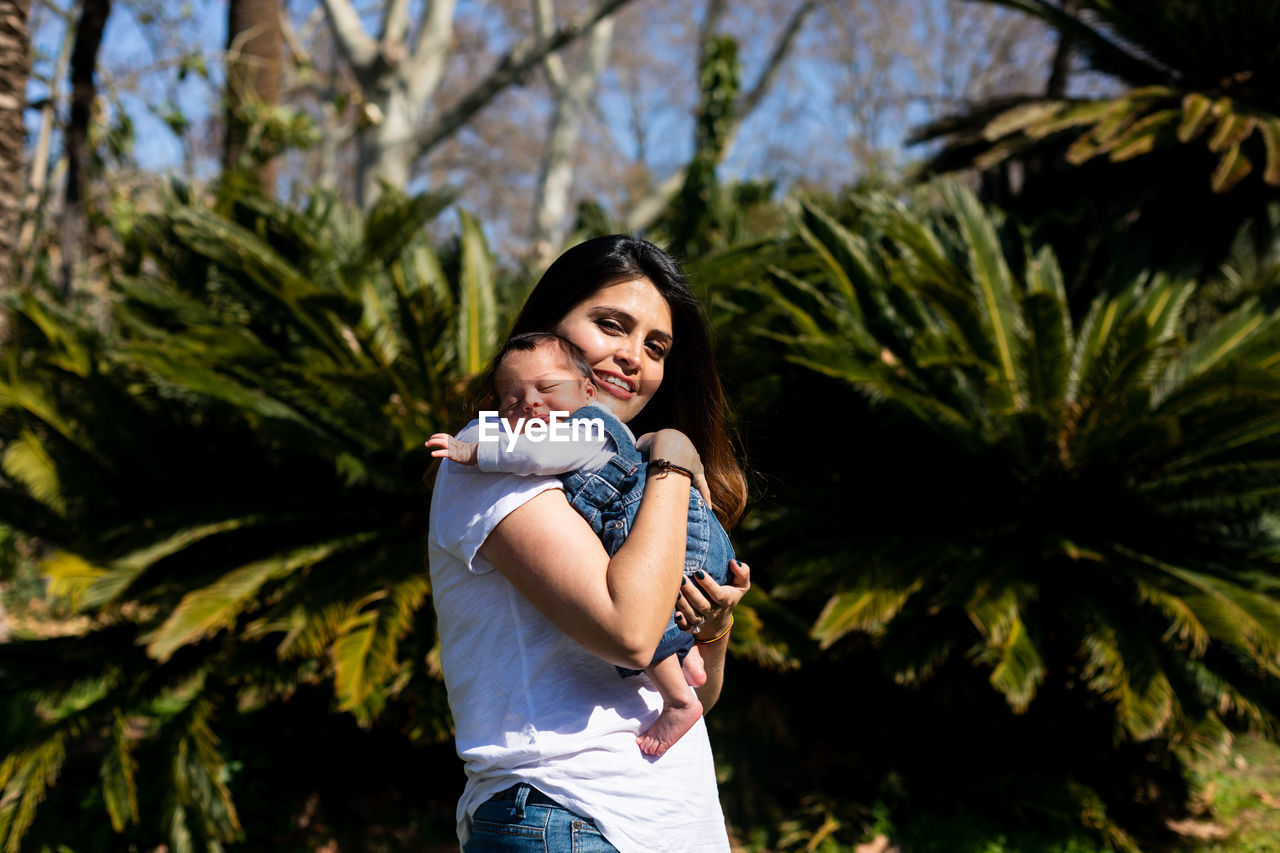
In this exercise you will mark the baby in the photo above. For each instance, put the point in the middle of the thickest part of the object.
(604, 475)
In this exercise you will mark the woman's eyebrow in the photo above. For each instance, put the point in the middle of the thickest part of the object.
(609, 310)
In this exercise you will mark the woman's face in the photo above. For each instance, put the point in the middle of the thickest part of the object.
(625, 330)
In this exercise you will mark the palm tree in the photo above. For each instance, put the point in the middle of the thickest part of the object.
(1081, 513)
(1188, 151)
(231, 482)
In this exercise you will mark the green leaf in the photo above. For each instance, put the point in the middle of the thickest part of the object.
(1077, 115)
(1226, 339)
(1270, 128)
(1232, 168)
(119, 767)
(1142, 136)
(28, 461)
(25, 775)
(1017, 666)
(364, 654)
(994, 286)
(1196, 111)
(109, 584)
(1233, 127)
(1020, 669)
(1048, 359)
(863, 609)
(70, 576)
(1022, 117)
(200, 808)
(477, 313)
(205, 611)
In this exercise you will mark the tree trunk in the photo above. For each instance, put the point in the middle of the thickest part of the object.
(387, 149)
(572, 91)
(15, 65)
(38, 174)
(84, 61)
(253, 81)
(399, 81)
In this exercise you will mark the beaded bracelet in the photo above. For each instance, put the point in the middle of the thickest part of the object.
(717, 637)
(665, 465)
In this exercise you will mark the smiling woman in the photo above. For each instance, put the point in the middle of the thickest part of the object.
(533, 610)
(602, 290)
(625, 331)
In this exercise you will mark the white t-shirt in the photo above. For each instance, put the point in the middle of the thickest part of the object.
(531, 705)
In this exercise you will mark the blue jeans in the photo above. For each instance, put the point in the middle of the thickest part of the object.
(525, 820)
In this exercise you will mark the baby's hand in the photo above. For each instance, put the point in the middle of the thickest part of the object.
(462, 452)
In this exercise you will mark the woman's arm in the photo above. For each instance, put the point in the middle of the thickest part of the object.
(618, 607)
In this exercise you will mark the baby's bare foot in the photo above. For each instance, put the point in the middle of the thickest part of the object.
(670, 726)
(695, 672)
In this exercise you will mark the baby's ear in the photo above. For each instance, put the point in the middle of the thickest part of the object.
(590, 389)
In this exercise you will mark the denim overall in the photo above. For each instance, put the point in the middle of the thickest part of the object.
(609, 498)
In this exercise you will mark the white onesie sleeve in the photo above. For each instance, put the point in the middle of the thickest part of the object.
(517, 454)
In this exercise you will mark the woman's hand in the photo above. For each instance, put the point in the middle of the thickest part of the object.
(675, 447)
(706, 607)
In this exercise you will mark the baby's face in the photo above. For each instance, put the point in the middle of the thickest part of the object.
(532, 384)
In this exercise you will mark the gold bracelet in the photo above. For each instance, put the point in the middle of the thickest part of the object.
(718, 637)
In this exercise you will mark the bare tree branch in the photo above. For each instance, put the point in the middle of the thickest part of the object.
(361, 51)
(711, 18)
(1061, 69)
(298, 53)
(544, 16)
(395, 24)
(748, 103)
(426, 66)
(555, 176)
(645, 212)
(513, 69)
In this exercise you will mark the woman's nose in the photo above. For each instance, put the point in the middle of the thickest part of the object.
(628, 354)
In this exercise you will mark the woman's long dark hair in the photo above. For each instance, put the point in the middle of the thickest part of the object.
(690, 398)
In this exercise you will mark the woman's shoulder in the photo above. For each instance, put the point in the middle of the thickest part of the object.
(467, 503)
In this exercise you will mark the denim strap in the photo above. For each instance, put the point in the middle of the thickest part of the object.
(621, 436)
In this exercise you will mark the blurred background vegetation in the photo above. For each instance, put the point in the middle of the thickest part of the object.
(1011, 405)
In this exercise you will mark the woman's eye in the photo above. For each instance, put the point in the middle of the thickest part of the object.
(658, 350)
(610, 325)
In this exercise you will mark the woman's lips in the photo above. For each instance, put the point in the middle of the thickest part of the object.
(615, 390)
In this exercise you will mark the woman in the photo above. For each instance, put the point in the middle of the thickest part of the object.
(533, 613)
